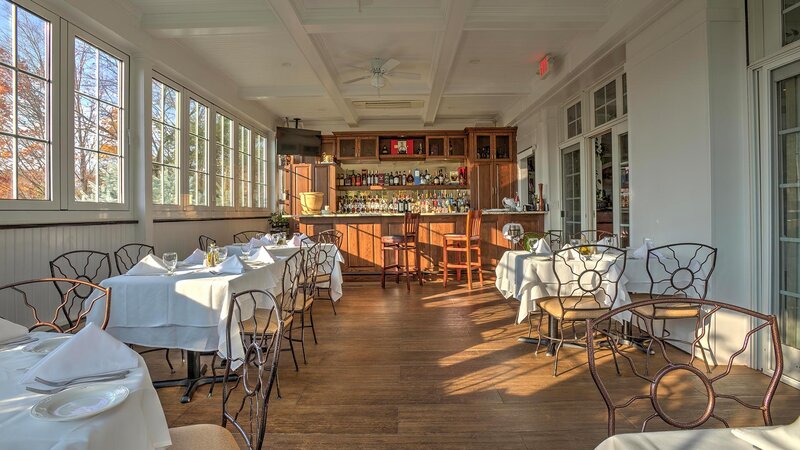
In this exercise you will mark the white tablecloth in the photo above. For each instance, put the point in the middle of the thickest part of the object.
(138, 423)
(714, 439)
(187, 311)
(278, 251)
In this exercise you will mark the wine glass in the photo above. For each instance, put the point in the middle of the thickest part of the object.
(171, 261)
(223, 253)
(246, 251)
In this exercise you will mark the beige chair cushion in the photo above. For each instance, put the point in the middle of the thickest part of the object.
(205, 436)
(673, 311)
(585, 308)
(262, 317)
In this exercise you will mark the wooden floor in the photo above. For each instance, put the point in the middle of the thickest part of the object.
(435, 368)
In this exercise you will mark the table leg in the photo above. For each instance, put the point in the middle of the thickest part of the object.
(195, 377)
(550, 346)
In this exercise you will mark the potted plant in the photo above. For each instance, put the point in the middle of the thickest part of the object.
(278, 221)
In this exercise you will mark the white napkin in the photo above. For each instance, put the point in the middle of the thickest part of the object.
(149, 265)
(232, 264)
(92, 351)
(261, 255)
(197, 257)
(267, 240)
(541, 247)
(778, 438)
(10, 330)
(605, 241)
(513, 231)
(255, 243)
(297, 240)
(641, 252)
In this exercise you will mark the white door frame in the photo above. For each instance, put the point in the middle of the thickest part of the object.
(617, 128)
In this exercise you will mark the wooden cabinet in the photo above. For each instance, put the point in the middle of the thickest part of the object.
(490, 182)
(297, 179)
(446, 147)
(492, 144)
(356, 147)
(323, 179)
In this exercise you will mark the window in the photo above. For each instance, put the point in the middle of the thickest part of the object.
(25, 86)
(624, 94)
(224, 160)
(245, 153)
(791, 21)
(605, 103)
(165, 146)
(261, 167)
(97, 116)
(198, 153)
(574, 126)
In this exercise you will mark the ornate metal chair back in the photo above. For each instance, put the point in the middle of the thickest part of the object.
(205, 241)
(85, 265)
(129, 254)
(681, 270)
(244, 236)
(588, 278)
(293, 271)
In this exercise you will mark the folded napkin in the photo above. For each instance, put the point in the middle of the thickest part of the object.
(605, 241)
(769, 438)
(641, 252)
(297, 240)
(232, 264)
(261, 255)
(10, 330)
(197, 257)
(513, 231)
(541, 247)
(90, 352)
(149, 265)
(267, 240)
(254, 243)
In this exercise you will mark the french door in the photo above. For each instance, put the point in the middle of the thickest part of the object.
(786, 216)
(571, 191)
(611, 183)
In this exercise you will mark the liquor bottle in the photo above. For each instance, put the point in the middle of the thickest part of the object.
(396, 179)
(417, 177)
(409, 179)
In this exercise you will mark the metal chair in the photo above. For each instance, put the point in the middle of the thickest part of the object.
(465, 244)
(587, 288)
(553, 238)
(89, 294)
(678, 270)
(302, 300)
(619, 393)
(244, 237)
(248, 381)
(86, 265)
(205, 241)
(592, 236)
(129, 254)
(330, 242)
(290, 291)
(405, 242)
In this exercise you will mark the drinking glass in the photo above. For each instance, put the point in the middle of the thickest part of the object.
(246, 251)
(574, 242)
(223, 253)
(171, 261)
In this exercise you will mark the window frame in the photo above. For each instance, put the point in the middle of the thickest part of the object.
(266, 160)
(68, 156)
(576, 101)
(213, 174)
(54, 115)
(616, 78)
(210, 168)
(239, 125)
(182, 119)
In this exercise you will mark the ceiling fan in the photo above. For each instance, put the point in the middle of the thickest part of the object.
(379, 70)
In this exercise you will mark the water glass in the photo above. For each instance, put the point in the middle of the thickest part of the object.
(171, 261)
(574, 242)
(246, 251)
(223, 253)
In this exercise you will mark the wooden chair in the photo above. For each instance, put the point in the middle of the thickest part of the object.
(675, 365)
(405, 242)
(87, 265)
(247, 382)
(129, 254)
(586, 288)
(244, 237)
(678, 270)
(331, 242)
(464, 244)
(78, 298)
(205, 241)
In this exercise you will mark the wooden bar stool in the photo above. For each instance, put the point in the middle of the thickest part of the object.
(464, 244)
(405, 242)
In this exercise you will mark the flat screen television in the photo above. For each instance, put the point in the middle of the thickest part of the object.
(297, 141)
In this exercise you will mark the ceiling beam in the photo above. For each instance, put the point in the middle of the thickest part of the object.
(208, 23)
(374, 26)
(444, 55)
(265, 92)
(285, 11)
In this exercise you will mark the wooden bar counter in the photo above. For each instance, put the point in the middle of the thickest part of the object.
(361, 247)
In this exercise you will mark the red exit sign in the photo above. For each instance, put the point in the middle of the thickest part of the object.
(545, 66)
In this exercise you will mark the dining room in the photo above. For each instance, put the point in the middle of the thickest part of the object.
(392, 224)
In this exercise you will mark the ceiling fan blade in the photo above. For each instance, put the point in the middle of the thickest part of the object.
(389, 64)
(404, 75)
(353, 80)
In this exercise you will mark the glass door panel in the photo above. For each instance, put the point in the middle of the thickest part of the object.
(483, 146)
(787, 189)
(571, 190)
(457, 146)
(624, 193)
(502, 146)
(604, 183)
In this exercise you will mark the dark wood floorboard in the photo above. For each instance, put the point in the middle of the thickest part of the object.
(436, 368)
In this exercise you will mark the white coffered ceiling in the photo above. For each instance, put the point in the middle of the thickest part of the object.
(476, 58)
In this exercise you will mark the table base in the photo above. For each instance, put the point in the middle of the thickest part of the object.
(195, 377)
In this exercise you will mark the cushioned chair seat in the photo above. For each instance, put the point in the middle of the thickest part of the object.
(585, 308)
(206, 436)
(393, 239)
(459, 236)
(262, 317)
(674, 311)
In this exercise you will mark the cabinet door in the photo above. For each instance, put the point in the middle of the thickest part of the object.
(346, 148)
(483, 147)
(482, 190)
(301, 182)
(368, 148)
(456, 147)
(436, 146)
(324, 180)
(502, 147)
(506, 181)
